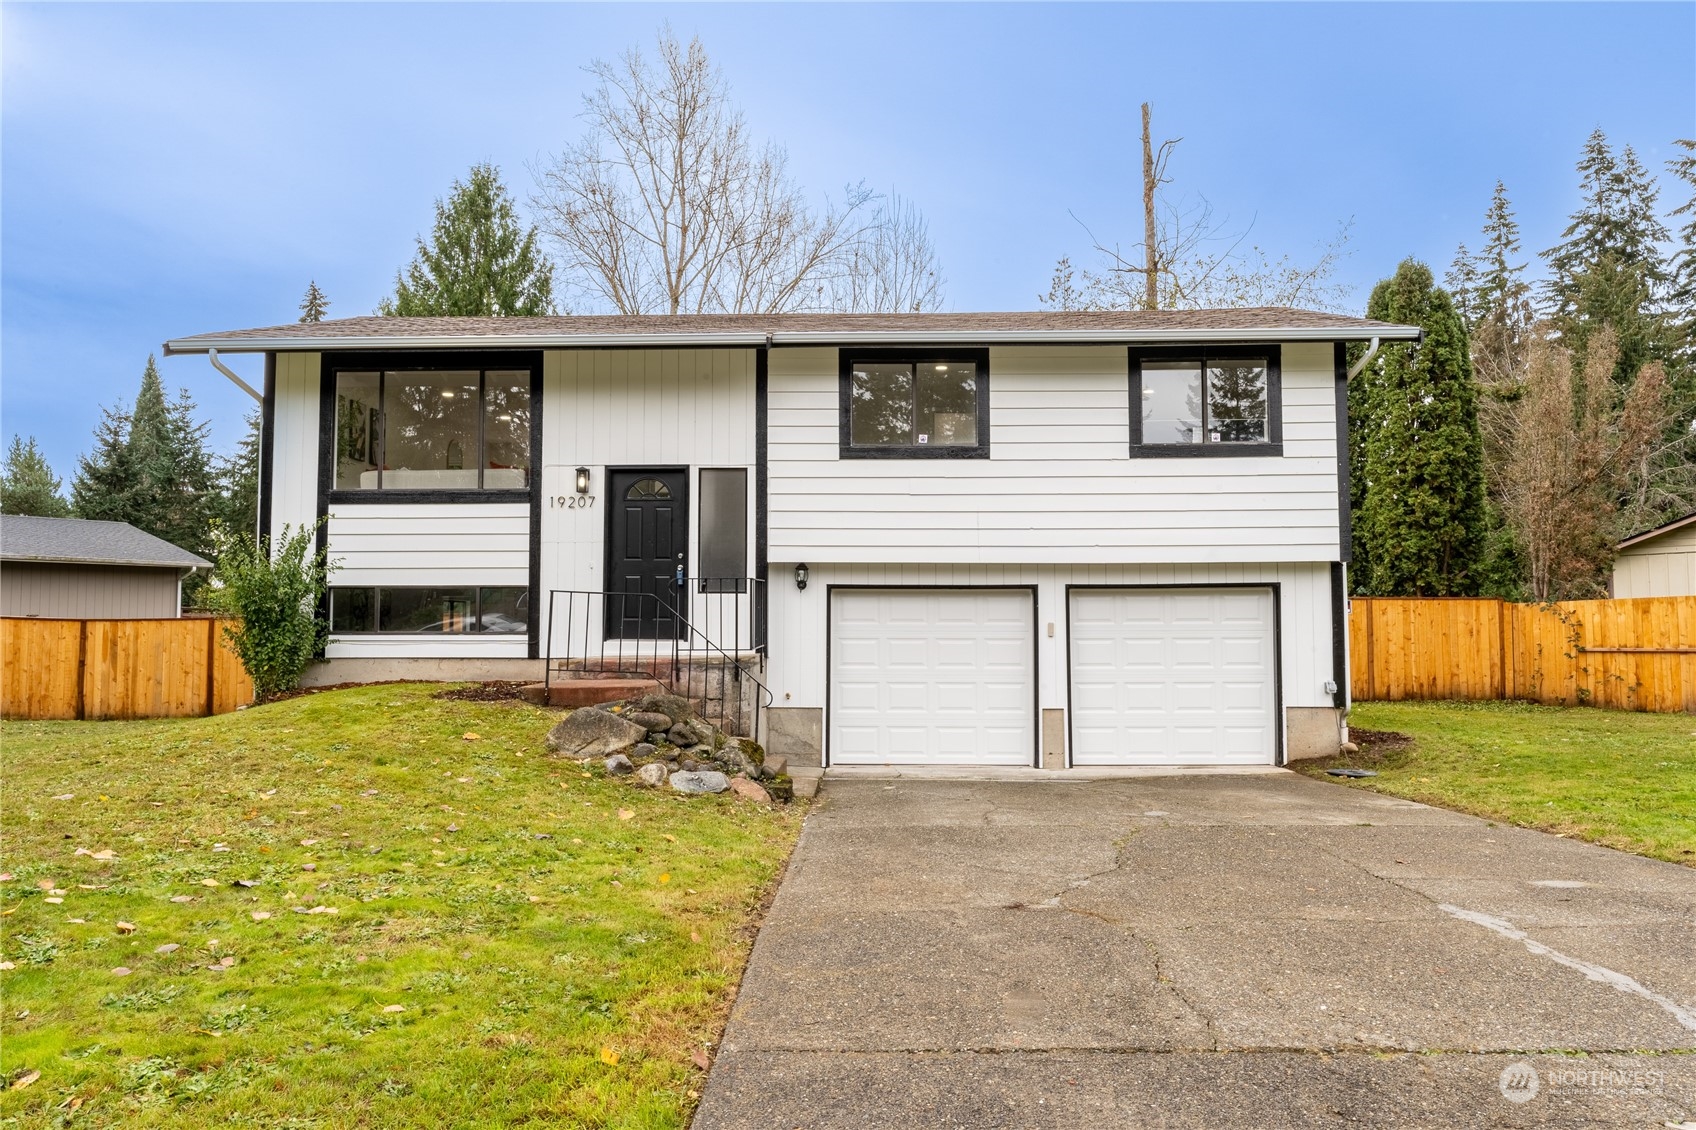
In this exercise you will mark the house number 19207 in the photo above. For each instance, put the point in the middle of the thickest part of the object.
(571, 501)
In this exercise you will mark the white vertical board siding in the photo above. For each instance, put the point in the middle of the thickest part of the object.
(294, 444)
(1060, 483)
(632, 408)
(1664, 566)
(798, 671)
(458, 544)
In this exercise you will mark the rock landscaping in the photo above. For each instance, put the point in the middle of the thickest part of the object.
(659, 740)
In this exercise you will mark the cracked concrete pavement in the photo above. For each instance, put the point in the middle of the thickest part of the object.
(1260, 951)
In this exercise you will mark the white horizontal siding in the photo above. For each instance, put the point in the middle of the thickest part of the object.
(294, 443)
(606, 408)
(451, 646)
(459, 544)
(798, 629)
(1059, 484)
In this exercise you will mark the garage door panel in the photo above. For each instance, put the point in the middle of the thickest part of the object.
(1172, 676)
(954, 677)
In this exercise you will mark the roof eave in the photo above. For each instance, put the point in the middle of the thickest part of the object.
(1082, 336)
(1650, 535)
(21, 559)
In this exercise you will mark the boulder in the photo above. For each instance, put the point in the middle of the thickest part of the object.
(588, 732)
(670, 705)
(705, 781)
(653, 774)
(641, 751)
(690, 732)
(749, 790)
(619, 765)
(651, 721)
(781, 788)
(775, 765)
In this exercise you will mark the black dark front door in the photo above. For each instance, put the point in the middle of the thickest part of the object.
(646, 548)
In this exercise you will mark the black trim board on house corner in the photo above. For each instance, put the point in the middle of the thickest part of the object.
(762, 495)
(267, 446)
(1036, 653)
(1270, 352)
(533, 645)
(1340, 635)
(1279, 712)
(1345, 518)
(917, 356)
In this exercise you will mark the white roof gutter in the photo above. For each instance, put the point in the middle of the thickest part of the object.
(783, 338)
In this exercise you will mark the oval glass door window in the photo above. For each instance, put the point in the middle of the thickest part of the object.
(647, 488)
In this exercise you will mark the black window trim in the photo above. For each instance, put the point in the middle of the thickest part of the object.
(334, 364)
(376, 592)
(1274, 443)
(914, 356)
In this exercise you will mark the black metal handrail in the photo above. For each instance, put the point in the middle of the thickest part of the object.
(677, 654)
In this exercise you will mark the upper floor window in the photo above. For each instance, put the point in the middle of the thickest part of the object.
(904, 405)
(1222, 400)
(460, 429)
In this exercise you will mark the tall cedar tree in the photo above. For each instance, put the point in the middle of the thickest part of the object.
(150, 468)
(28, 484)
(1420, 521)
(480, 260)
(314, 306)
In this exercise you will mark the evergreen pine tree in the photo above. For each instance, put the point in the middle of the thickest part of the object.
(1502, 299)
(1421, 517)
(238, 482)
(1608, 270)
(105, 478)
(479, 260)
(314, 306)
(28, 485)
(1461, 281)
(1682, 296)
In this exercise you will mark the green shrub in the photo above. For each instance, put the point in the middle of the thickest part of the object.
(273, 590)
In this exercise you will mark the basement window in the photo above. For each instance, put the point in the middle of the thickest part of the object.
(415, 610)
(915, 405)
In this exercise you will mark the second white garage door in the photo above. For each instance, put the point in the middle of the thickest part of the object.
(1173, 677)
(932, 677)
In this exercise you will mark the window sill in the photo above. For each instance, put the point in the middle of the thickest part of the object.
(1206, 450)
(426, 497)
(939, 452)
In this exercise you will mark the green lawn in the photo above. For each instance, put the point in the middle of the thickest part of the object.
(514, 941)
(1611, 777)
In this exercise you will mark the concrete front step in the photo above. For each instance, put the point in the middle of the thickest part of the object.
(588, 692)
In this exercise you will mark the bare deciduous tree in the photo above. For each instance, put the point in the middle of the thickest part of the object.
(1188, 259)
(666, 206)
(1577, 463)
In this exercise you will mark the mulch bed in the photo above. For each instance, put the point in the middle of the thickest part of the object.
(497, 691)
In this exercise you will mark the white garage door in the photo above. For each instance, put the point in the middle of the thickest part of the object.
(932, 677)
(1173, 677)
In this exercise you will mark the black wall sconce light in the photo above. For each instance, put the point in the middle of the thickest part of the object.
(801, 576)
(582, 480)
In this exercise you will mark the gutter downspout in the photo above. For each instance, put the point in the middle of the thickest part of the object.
(212, 356)
(1343, 742)
(1354, 370)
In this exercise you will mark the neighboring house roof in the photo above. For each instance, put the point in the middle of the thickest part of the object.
(1260, 323)
(1667, 528)
(78, 541)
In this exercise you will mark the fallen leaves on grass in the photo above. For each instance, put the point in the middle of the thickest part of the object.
(608, 1056)
(394, 1008)
(23, 1081)
(626, 814)
(124, 927)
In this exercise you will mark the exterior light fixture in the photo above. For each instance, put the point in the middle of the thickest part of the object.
(582, 480)
(801, 576)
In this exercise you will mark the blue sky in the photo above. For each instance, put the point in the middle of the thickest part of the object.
(167, 170)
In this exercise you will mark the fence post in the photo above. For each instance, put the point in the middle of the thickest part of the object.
(211, 665)
(1501, 649)
(82, 670)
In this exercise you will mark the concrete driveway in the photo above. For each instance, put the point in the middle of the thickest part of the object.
(1239, 950)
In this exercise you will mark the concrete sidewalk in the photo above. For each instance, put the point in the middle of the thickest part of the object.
(1257, 951)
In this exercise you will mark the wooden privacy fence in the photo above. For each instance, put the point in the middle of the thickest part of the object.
(1627, 654)
(118, 669)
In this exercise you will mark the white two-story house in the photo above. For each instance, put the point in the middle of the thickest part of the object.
(1027, 539)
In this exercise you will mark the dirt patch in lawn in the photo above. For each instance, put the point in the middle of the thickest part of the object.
(1379, 749)
(499, 690)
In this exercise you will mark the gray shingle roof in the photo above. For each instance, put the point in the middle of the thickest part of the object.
(83, 542)
(1261, 323)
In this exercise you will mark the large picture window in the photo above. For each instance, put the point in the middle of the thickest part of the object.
(1222, 400)
(444, 610)
(450, 429)
(915, 404)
